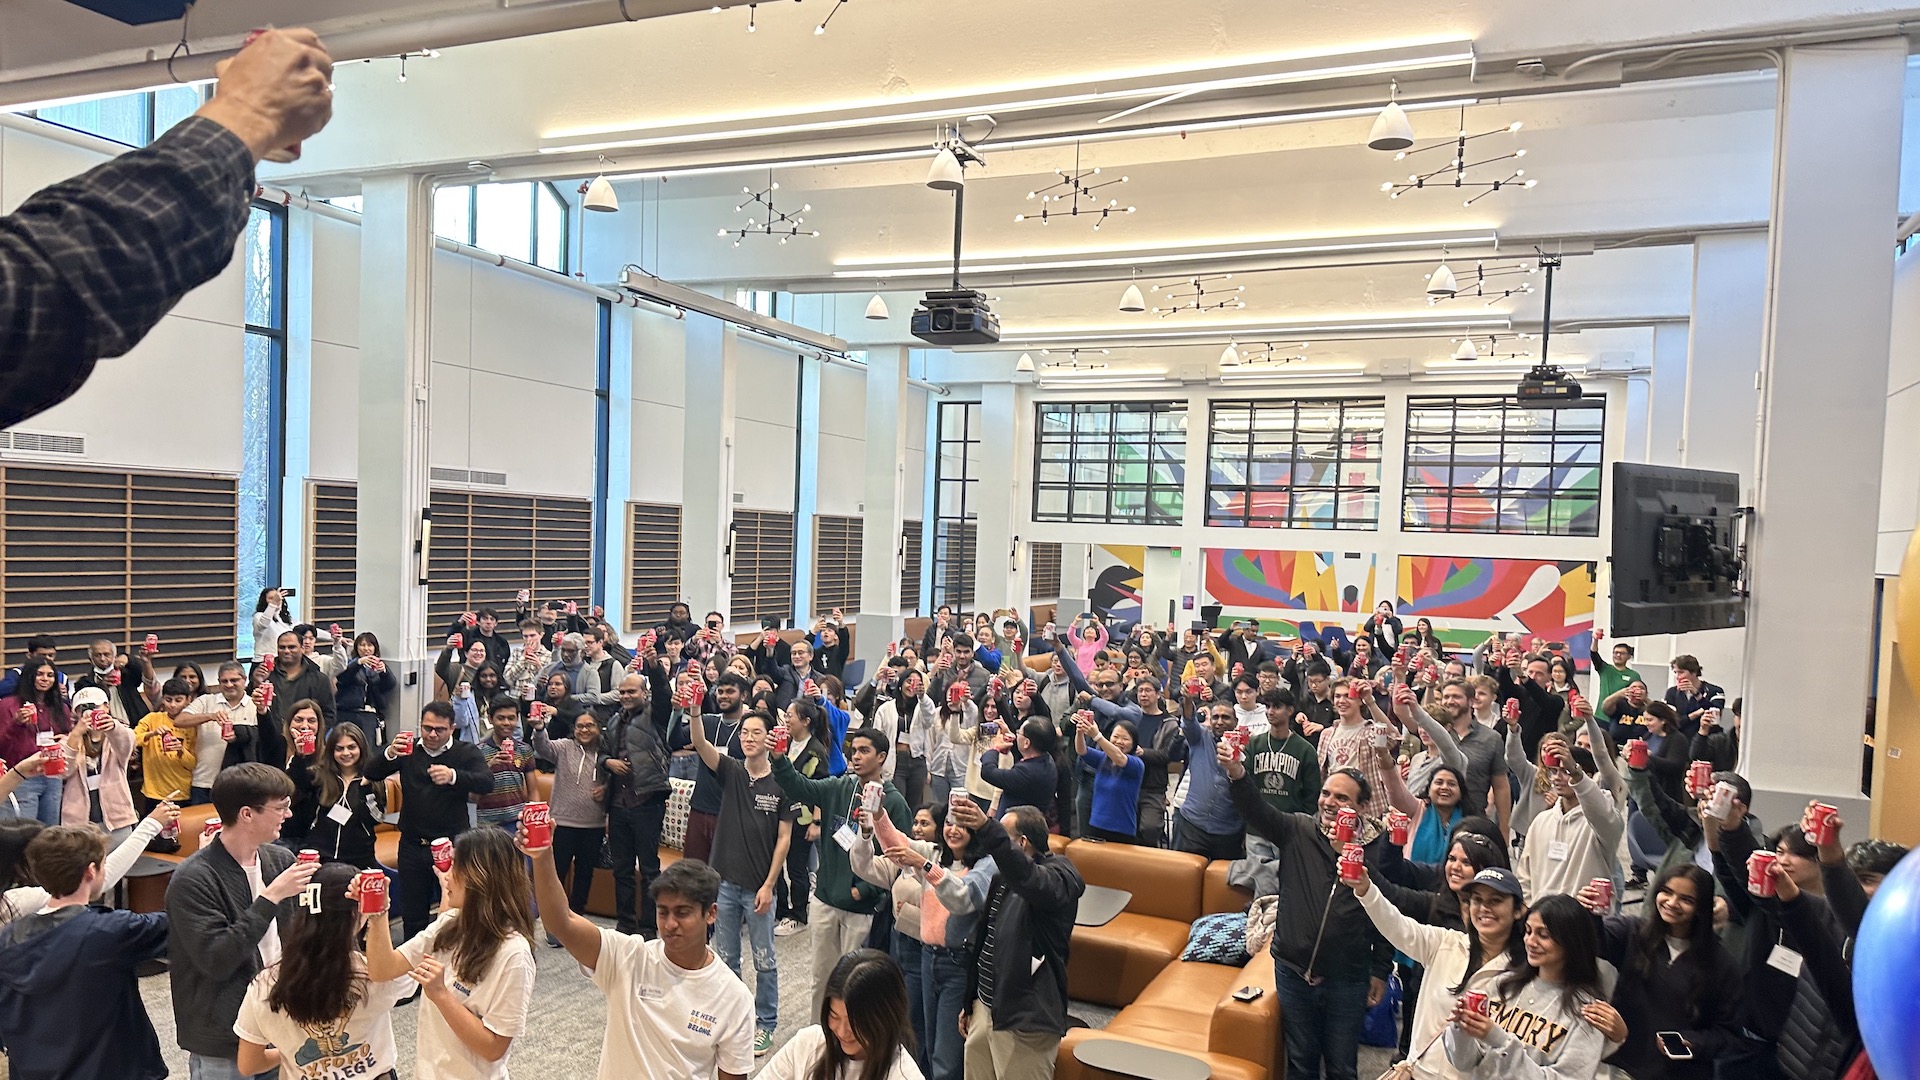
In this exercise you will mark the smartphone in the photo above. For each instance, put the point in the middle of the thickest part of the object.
(1199, 626)
(1674, 1046)
(1248, 993)
(287, 591)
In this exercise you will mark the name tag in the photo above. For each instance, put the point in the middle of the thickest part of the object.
(340, 815)
(846, 837)
(1786, 960)
(93, 781)
(1558, 850)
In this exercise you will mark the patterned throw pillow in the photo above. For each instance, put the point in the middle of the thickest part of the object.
(673, 832)
(1219, 939)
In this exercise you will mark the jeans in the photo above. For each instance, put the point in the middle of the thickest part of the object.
(736, 906)
(906, 953)
(578, 849)
(943, 992)
(633, 836)
(37, 799)
(211, 1068)
(200, 796)
(910, 777)
(1323, 1024)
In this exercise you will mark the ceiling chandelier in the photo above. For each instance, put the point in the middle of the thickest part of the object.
(1070, 360)
(1192, 293)
(778, 223)
(1071, 190)
(1263, 354)
(1454, 173)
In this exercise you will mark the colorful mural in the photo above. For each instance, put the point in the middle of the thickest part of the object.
(1543, 598)
(1286, 590)
(1119, 575)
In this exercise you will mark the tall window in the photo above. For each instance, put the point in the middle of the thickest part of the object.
(1488, 465)
(1295, 464)
(525, 221)
(1120, 463)
(134, 119)
(263, 409)
(955, 533)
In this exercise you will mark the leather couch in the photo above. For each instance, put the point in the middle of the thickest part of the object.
(1134, 962)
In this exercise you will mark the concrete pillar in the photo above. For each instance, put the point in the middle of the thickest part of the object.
(396, 286)
(884, 512)
(1002, 577)
(707, 465)
(1823, 400)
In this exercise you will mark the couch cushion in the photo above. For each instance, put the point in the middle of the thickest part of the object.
(1164, 884)
(1218, 939)
(1068, 1067)
(1189, 998)
(1216, 895)
(1112, 964)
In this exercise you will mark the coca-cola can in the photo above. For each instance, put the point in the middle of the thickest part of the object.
(1475, 1001)
(170, 742)
(1236, 742)
(1398, 826)
(151, 645)
(171, 830)
(1759, 879)
(305, 741)
(208, 831)
(457, 641)
(779, 739)
(442, 854)
(1603, 891)
(1353, 862)
(1346, 824)
(226, 730)
(1720, 800)
(55, 759)
(536, 824)
(113, 677)
(1637, 753)
(506, 747)
(266, 695)
(373, 892)
(1825, 828)
(403, 743)
(307, 855)
(1699, 777)
(871, 797)
(1511, 710)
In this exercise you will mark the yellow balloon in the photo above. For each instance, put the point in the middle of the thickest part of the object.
(1906, 612)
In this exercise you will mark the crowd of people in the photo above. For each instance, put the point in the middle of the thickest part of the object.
(1561, 884)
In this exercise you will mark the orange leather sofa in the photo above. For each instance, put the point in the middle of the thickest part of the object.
(1134, 962)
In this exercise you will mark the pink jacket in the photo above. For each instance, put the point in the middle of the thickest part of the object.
(1084, 650)
(116, 800)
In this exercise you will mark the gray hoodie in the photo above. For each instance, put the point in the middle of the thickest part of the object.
(1535, 1036)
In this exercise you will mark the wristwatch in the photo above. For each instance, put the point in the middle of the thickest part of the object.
(927, 867)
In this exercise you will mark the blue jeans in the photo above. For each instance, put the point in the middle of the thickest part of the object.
(1322, 1024)
(212, 1068)
(943, 989)
(736, 906)
(38, 799)
(906, 952)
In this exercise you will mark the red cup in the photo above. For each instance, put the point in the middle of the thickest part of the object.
(442, 854)
(1398, 826)
(1353, 862)
(1549, 759)
(1346, 824)
(304, 742)
(1699, 778)
(536, 825)
(1824, 829)
(781, 739)
(55, 757)
(1759, 881)
(307, 855)
(373, 892)
(1476, 1001)
(1636, 753)
(1603, 891)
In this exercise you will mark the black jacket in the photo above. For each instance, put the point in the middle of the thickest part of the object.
(499, 649)
(360, 687)
(311, 683)
(306, 801)
(429, 810)
(214, 947)
(1697, 995)
(642, 744)
(66, 979)
(1038, 898)
(1540, 708)
(366, 801)
(1350, 948)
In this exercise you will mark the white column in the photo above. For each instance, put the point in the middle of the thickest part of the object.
(613, 534)
(1823, 395)
(707, 465)
(1005, 495)
(297, 420)
(806, 502)
(883, 513)
(1667, 393)
(396, 265)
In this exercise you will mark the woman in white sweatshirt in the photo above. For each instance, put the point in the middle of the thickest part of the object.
(1548, 1017)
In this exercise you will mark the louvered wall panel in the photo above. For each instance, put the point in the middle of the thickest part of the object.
(333, 518)
(1046, 572)
(911, 538)
(762, 565)
(836, 563)
(653, 563)
(487, 546)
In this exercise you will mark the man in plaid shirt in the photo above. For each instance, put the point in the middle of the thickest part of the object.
(88, 266)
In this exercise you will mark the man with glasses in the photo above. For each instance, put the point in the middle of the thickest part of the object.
(436, 777)
(222, 904)
(1207, 823)
(205, 717)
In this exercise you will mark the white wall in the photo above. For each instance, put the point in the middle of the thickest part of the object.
(659, 406)
(1900, 466)
(766, 416)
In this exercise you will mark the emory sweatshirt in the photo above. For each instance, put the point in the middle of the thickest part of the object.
(1535, 1036)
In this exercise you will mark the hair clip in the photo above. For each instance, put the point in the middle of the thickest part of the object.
(310, 897)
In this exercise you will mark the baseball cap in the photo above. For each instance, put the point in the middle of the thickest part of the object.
(90, 697)
(1500, 879)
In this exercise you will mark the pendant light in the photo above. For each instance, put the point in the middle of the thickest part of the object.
(1391, 129)
(1230, 357)
(1025, 365)
(946, 174)
(1467, 350)
(1132, 300)
(1442, 283)
(877, 308)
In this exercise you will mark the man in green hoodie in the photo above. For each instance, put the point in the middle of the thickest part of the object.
(841, 911)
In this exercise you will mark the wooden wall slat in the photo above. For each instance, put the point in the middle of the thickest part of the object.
(653, 563)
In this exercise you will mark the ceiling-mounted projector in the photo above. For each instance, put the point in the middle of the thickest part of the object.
(136, 12)
(955, 317)
(1547, 386)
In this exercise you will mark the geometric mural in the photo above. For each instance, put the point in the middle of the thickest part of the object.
(1541, 598)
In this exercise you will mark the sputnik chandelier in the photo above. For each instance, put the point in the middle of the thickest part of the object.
(1064, 198)
(1454, 173)
(753, 12)
(1192, 293)
(1263, 354)
(1445, 284)
(1071, 361)
(778, 223)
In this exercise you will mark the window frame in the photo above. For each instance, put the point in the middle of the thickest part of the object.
(1512, 448)
(1290, 438)
(535, 190)
(1173, 440)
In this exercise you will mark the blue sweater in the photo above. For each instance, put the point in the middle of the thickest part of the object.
(1029, 783)
(79, 963)
(1208, 807)
(1116, 792)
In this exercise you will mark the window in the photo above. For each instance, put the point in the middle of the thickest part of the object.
(1295, 464)
(527, 221)
(910, 540)
(1115, 464)
(836, 563)
(119, 555)
(487, 547)
(653, 567)
(1046, 572)
(263, 409)
(333, 551)
(955, 536)
(762, 565)
(1488, 465)
(134, 119)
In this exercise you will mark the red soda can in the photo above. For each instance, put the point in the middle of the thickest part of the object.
(268, 664)
(442, 854)
(171, 830)
(1636, 753)
(1476, 1001)
(1759, 881)
(304, 741)
(1511, 710)
(1346, 824)
(151, 645)
(226, 730)
(536, 824)
(994, 686)
(1353, 862)
(55, 760)
(113, 677)
(1398, 825)
(457, 641)
(1236, 741)
(1549, 759)
(1603, 891)
(210, 830)
(956, 693)
(307, 855)
(506, 747)
(169, 742)
(403, 743)
(1239, 669)
(1356, 690)
(373, 892)
(780, 738)
(1699, 777)
(1194, 686)
(266, 695)
(893, 648)
(1823, 829)
(771, 637)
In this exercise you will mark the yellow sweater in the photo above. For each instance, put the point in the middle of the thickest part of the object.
(163, 773)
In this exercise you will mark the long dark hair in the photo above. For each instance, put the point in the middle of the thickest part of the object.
(1481, 853)
(52, 705)
(496, 905)
(873, 994)
(320, 978)
(332, 784)
(1571, 927)
(1694, 966)
(15, 835)
(944, 855)
(286, 604)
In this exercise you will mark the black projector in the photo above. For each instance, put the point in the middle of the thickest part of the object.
(955, 317)
(1547, 387)
(137, 12)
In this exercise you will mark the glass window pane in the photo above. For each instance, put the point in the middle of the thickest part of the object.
(173, 104)
(262, 302)
(1089, 505)
(122, 118)
(1050, 503)
(503, 219)
(552, 225)
(453, 214)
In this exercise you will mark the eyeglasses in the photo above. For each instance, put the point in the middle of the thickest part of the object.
(435, 729)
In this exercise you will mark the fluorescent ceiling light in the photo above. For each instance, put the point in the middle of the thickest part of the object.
(1293, 375)
(1147, 338)
(50, 103)
(1080, 374)
(881, 267)
(1006, 100)
(1110, 382)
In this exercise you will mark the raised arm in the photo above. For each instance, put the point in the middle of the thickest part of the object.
(1609, 769)
(709, 753)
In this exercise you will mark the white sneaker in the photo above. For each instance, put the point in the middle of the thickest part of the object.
(787, 928)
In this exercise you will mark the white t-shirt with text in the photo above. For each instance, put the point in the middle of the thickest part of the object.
(499, 999)
(665, 1020)
(356, 1048)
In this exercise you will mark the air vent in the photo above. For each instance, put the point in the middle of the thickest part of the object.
(44, 442)
(468, 476)
(739, 497)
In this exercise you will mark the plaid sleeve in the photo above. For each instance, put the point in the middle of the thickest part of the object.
(89, 265)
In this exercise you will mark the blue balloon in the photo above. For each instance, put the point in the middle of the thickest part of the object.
(1886, 958)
